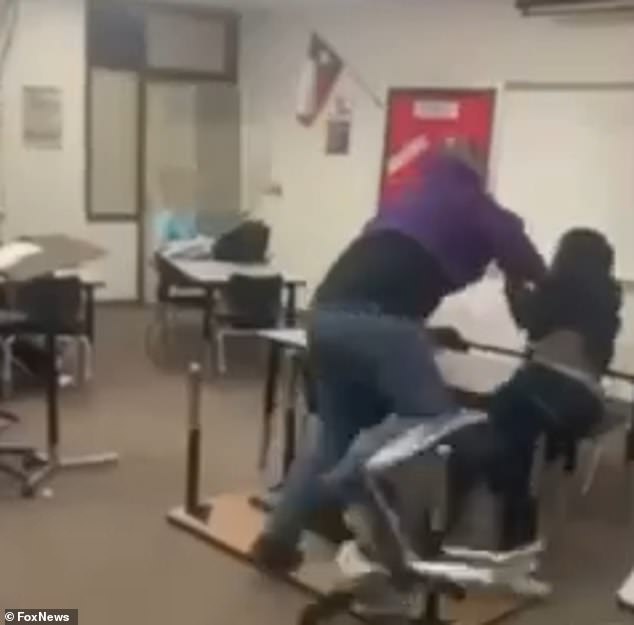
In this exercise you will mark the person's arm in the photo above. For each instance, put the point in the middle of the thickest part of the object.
(520, 298)
(511, 247)
(533, 307)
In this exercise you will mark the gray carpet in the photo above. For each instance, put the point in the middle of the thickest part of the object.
(101, 543)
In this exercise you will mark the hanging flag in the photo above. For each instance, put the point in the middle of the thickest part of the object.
(323, 68)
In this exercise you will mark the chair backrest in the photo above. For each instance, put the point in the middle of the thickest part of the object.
(409, 481)
(254, 301)
(52, 303)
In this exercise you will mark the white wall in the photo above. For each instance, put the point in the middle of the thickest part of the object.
(453, 43)
(45, 189)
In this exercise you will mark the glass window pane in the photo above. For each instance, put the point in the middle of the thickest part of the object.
(115, 37)
(206, 43)
(114, 143)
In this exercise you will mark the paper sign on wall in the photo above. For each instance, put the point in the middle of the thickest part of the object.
(437, 109)
(42, 117)
(339, 128)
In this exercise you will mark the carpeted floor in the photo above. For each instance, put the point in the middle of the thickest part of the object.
(101, 543)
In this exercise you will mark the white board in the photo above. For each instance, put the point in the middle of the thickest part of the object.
(565, 158)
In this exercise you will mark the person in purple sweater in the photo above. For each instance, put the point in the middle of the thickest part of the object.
(369, 352)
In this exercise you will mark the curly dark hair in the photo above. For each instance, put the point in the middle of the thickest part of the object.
(583, 253)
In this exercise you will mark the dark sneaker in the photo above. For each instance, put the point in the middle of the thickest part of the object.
(328, 522)
(275, 556)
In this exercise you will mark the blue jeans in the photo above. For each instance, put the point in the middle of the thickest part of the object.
(366, 366)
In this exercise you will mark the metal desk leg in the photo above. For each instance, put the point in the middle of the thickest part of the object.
(270, 392)
(291, 306)
(629, 463)
(206, 320)
(208, 311)
(50, 460)
(629, 437)
(52, 397)
(290, 414)
(89, 289)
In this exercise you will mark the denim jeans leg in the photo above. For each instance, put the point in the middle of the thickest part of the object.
(304, 491)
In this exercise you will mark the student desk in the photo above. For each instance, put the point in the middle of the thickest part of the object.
(211, 275)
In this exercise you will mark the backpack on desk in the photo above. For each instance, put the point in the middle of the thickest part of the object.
(247, 243)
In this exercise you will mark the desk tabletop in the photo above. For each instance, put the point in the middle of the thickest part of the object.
(209, 271)
(294, 338)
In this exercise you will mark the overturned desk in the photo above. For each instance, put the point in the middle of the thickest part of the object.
(231, 523)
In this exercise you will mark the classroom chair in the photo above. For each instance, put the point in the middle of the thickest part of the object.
(15, 458)
(81, 342)
(250, 304)
(405, 558)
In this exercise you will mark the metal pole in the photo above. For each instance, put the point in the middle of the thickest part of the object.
(270, 388)
(440, 513)
(192, 483)
(52, 397)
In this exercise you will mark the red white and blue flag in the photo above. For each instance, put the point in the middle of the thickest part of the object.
(320, 74)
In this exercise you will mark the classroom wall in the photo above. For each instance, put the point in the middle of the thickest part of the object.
(453, 43)
(45, 188)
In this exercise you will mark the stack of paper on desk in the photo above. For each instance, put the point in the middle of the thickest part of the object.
(15, 252)
(37, 256)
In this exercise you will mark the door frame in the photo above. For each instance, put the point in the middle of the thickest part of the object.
(147, 75)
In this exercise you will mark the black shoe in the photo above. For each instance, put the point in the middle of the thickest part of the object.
(328, 522)
(275, 556)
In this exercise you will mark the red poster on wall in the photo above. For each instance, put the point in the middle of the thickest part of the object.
(420, 120)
